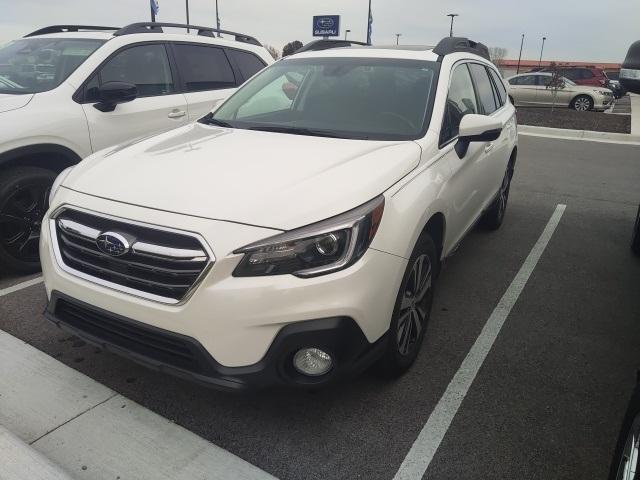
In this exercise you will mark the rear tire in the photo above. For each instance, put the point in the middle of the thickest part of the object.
(494, 216)
(635, 238)
(412, 309)
(582, 103)
(24, 198)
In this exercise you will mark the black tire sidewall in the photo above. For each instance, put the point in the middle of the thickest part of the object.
(635, 238)
(393, 363)
(10, 181)
(573, 102)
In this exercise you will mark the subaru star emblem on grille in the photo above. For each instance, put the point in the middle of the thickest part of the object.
(112, 244)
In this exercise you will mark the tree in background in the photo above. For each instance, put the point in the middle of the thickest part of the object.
(497, 54)
(273, 51)
(291, 47)
(555, 83)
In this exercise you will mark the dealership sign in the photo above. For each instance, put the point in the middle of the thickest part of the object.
(326, 25)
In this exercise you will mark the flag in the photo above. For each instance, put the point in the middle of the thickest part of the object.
(369, 27)
(155, 7)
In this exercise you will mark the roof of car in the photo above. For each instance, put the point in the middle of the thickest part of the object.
(411, 53)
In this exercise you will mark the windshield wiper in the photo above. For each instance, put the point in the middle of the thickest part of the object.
(209, 120)
(298, 131)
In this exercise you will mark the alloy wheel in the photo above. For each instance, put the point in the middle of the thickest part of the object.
(414, 307)
(629, 461)
(582, 104)
(20, 220)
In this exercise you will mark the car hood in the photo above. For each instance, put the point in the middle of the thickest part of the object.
(589, 89)
(273, 180)
(13, 102)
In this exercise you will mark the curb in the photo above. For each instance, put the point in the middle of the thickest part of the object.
(567, 134)
(20, 461)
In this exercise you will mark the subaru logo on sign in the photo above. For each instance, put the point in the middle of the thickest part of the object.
(326, 25)
(113, 244)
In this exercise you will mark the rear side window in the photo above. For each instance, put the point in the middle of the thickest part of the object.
(524, 80)
(586, 73)
(248, 63)
(461, 100)
(501, 92)
(483, 88)
(147, 66)
(203, 68)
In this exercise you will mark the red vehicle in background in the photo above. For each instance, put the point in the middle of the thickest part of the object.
(583, 75)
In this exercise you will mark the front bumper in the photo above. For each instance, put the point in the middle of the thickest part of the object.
(185, 357)
(235, 321)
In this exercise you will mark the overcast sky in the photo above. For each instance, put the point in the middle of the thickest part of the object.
(579, 30)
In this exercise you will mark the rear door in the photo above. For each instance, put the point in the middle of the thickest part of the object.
(206, 76)
(158, 106)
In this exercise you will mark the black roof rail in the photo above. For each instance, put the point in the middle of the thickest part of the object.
(461, 44)
(68, 28)
(156, 27)
(327, 44)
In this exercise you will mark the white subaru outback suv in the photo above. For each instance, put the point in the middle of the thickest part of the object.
(67, 91)
(295, 235)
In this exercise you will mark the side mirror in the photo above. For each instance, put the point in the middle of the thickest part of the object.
(113, 93)
(476, 128)
(290, 90)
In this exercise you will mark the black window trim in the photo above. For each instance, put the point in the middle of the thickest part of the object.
(236, 67)
(80, 94)
(236, 71)
(442, 144)
(502, 102)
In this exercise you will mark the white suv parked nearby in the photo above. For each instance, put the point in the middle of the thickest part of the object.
(68, 91)
(295, 235)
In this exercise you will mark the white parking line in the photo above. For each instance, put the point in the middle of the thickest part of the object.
(424, 448)
(20, 286)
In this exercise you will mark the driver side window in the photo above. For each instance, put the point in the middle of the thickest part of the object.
(461, 100)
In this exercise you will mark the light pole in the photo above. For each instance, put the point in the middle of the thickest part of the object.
(187, 7)
(217, 19)
(369, 22)
(520, 56)
(541, 50)
(452, 15)
(345, 33)
(398, 38)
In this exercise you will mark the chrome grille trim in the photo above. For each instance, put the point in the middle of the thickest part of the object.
(158, 273)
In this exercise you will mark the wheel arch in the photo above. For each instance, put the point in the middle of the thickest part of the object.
(45, 155)
(436, 229)
(589, 96)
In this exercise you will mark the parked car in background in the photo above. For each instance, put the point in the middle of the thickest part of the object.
(582, 75)
(531, 89)
(295, 235)
(68, 91)
(614, 84)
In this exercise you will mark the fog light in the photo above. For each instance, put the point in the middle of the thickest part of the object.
(312, 361)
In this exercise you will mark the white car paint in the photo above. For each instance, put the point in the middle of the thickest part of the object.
(234, 187)
(53, 117)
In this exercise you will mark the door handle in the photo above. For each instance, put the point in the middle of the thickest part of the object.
(177, 114)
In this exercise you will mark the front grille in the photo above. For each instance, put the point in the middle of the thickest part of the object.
(162, 265)
(154, 344)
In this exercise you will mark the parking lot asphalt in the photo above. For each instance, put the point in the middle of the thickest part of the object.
(547, 402)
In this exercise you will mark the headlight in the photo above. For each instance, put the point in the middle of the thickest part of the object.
(316, 249)
(57, 182)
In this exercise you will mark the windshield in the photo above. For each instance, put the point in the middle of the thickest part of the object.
(32, 65)
(367, 98)
(568, 82)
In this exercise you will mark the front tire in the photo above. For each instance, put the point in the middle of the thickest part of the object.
(582, 103)
(24, 198)
(412, 309)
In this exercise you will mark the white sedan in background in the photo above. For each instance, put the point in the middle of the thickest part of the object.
(530, 89)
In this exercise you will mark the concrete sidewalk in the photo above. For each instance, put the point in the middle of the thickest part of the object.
(56, 422)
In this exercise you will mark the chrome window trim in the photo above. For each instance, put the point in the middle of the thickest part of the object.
(121, 288)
